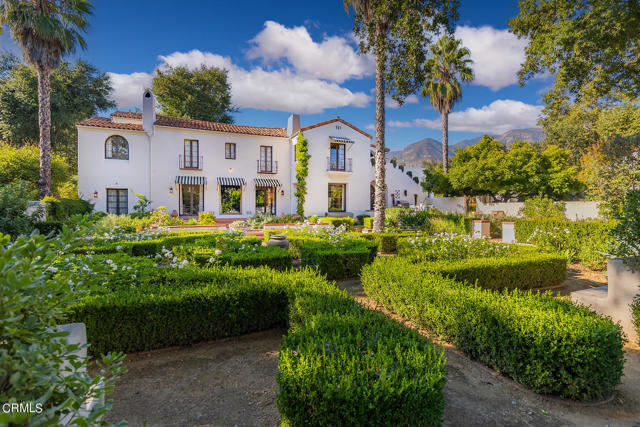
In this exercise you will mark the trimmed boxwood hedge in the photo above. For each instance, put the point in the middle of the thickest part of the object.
(387, 242)
(586, 241)
(336, 262)
(268, 256)
(525, 271)
(336, 355)
(144, 247)
(549, 345)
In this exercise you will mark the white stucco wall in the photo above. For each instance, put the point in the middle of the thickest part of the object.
(96, 173)
(447, 204)
(573, 210)
(399, 183)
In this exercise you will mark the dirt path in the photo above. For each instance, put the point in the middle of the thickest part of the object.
(478, 396)
(230, 382)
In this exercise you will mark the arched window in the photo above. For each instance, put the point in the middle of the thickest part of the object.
(116, 147)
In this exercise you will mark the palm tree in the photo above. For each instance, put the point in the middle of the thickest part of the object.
(448, 65)
(45, 30)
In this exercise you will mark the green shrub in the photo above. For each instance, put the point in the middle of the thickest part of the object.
(527, 271)
(13, 203)
(548, 345)
(387, 242)
(253, 256)
(144, 247)
(46, 227)
(580, 241)
(206, 218)
(342, 364)
(336, 261)
(337, 222)
(63, 209)
(368, 222)
(361, 219)
(448, 247)
(541, 207)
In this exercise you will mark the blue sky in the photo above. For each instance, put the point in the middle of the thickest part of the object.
(299, 56)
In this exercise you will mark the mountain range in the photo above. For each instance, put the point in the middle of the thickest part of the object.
(429, 149)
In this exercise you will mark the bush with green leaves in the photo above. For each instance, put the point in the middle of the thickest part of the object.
(63, 209)
(336, 260)
(337, 222)
(635, 310)
(451, 247)
(627, 230)
(549, 345)
(368, 223)
(586, 242)
(13, 204)
(206, 218)
(541, 207)
(250, 254)
(37, 365)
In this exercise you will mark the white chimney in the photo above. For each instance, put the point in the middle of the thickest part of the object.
(148, 111)
(293, 124)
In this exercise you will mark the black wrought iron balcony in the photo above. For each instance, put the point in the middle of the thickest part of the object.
(267, 167)
(190, 162)
(339, 165)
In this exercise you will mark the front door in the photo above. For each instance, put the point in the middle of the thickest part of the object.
(190, 199)
(266, 200)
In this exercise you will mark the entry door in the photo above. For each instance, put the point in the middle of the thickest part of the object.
(266, 200)
(190, 199)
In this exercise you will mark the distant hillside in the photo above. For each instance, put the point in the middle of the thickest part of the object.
(429, 149)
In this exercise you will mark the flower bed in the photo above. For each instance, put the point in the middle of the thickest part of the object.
(452, 247)
(546, 344)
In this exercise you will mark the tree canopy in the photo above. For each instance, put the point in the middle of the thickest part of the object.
(203, 93)
(582, 43)
(488, 167)
(78, 91)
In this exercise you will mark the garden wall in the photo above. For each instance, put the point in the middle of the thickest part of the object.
(447, 204)
(573, 210)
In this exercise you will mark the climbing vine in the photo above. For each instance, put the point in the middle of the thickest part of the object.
(302, 170)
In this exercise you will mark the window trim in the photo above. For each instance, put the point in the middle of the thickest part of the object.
(230, 144)
(192, 164)
(115, 158)
(267, 149)
(118, 207)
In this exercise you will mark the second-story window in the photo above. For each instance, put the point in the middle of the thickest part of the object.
(230, 150)
(266, 159)
(337, 157)
(191, 154)
(116, 147)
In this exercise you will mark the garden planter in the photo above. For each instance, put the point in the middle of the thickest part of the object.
(279, 240)
(615, 299)
(508, 232)
(481, 229)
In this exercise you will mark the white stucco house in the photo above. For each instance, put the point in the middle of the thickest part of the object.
(233, 171)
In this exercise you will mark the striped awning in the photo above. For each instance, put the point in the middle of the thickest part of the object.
(223, 180)
(267, 182)
(193, 180)
(340, 140)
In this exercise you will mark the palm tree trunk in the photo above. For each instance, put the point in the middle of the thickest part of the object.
(381, 188)
(44, 121)
(445, 142)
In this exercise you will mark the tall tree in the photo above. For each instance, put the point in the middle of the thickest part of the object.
(396, 33)
(448, 65)
(78, 91)
(45, 30)
(203, 93)
(582, 43)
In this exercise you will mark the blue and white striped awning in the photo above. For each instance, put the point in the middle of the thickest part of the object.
(267, 182)
(340, 140)
(223, 180)
(191, 180)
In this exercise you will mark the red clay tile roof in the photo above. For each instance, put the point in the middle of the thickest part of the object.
(182, 123)
(337, 119)
(103, 122)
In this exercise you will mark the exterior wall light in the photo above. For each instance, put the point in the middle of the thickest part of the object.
(95, 194)
(282, 192)
(171, 190)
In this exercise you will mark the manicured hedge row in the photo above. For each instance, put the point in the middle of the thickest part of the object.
(546, 344)
(342, 364)
(368, 222)
(337, 262)
(144, 247)
(582, 241)
(256, 256)
(63, 209)
(387, 242)
(527, 271)
(336, 355)
(337, 222)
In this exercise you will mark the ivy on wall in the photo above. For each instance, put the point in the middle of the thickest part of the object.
(302, 170)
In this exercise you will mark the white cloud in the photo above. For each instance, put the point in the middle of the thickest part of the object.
(128, 88)
(392, 103)
(496, 54)
(498, 117)
(371, 126)
(334, 58)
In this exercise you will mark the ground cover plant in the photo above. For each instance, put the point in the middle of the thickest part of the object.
(548, 345)
(452, 247)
